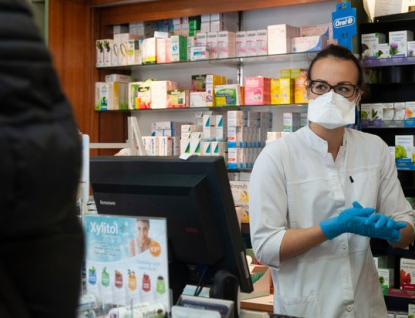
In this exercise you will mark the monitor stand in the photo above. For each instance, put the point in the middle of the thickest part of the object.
(226, 286)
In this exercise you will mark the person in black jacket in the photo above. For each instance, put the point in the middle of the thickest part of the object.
(41, 239)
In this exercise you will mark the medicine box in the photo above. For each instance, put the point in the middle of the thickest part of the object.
(291, 122)
(257, 90)
(370, 44)
(139, 95)
(309, 43)
(275, 91)
(286, 90)
(279, 38)
(240, 44)
(212, 44)
(410, 110)
(404, 145)
(228, 95)
(407, 273)
(178, 98)
(398, 42)
(251, 37)
(262, 42)
(226, 44)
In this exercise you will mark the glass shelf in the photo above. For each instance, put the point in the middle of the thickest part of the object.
(302, 107)
(393, 61)
(230, 62)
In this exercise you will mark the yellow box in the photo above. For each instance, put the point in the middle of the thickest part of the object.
(285, 73)
(287, 90)
(300, 90)
(275, 91)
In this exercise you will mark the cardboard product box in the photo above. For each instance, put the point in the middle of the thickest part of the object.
(257, 90)
(240, 44)
(309, 43)
(370, 44)
(178, 98)
(178, 48)
(279, 38)
(139, 95)
(407, 274)
(212, 44)
(261, 277)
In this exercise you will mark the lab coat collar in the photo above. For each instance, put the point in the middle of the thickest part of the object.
(316, 142)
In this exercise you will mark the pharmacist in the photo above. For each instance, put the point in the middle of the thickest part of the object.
(318, 195)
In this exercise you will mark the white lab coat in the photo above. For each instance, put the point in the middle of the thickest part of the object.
(296, 184)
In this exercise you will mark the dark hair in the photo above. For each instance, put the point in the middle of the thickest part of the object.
(342, 53)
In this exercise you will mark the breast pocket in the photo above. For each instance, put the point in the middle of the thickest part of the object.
(363, 186)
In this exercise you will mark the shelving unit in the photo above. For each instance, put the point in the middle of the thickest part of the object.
(395, 84)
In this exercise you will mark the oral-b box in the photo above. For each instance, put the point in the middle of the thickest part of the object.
(309, 43)
(240, 44)
(370, 44)
(404, 145)
(398, 42)
(257, 90)
(262, 42)
(251, 37)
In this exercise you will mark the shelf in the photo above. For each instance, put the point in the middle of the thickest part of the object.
(382, 247)
(229, 62)
(379, 123)
(393, 61)
(301, 107)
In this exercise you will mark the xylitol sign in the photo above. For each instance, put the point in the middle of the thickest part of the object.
(126, 259)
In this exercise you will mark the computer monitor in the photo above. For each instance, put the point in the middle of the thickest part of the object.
(193, 195)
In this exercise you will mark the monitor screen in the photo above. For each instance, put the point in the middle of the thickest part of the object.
(193, 195)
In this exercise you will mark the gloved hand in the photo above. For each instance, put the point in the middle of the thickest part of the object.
(348, 221)
(383, 227)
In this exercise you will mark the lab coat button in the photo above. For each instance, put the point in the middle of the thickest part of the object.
(344, 245)
(349, 308)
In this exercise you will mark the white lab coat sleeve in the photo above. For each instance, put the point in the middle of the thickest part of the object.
(391, 199)
(268, 204)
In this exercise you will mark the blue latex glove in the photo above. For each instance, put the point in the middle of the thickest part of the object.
(348, 221)
(383, 227)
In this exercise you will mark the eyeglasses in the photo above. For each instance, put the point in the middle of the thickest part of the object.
(320, 88)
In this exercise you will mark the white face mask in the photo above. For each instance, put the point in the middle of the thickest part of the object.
(331, 110)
